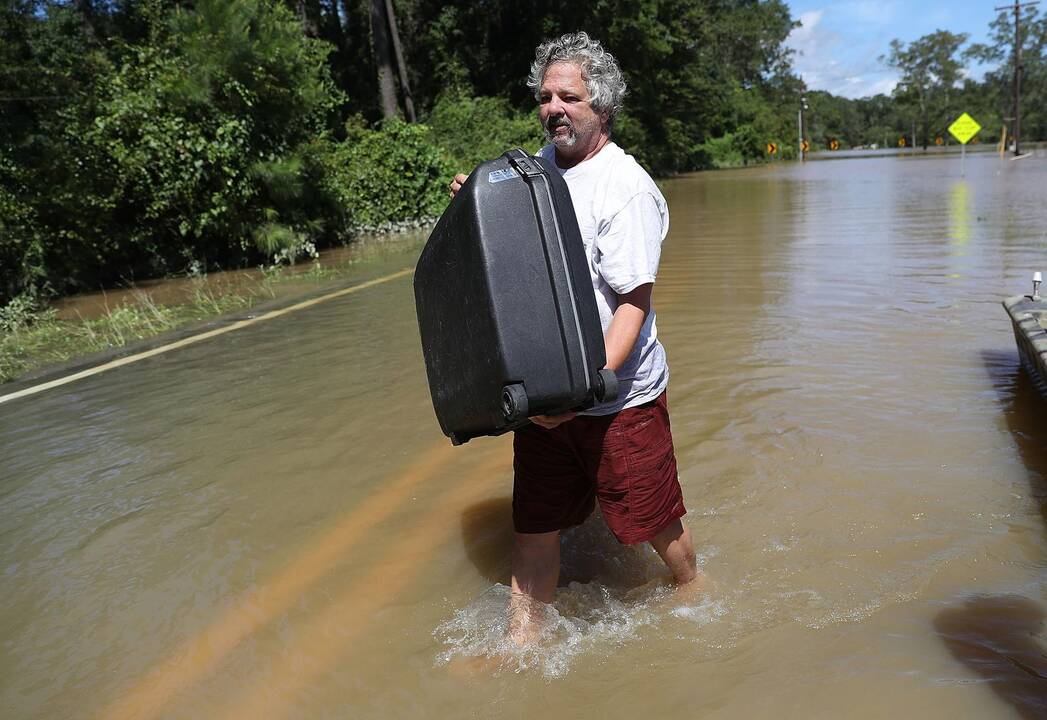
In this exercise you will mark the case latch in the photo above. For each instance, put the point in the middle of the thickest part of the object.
(524, 163)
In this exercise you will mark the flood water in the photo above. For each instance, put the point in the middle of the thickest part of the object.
(270, 524)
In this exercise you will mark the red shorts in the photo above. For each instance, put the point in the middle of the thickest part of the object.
(625, 460)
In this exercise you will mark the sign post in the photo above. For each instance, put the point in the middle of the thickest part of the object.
(963, 129)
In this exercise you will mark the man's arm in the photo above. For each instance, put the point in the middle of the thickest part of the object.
(626, 323)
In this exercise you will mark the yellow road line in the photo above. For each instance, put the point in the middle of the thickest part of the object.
(274, 695)
(254, 609)
(192, 340)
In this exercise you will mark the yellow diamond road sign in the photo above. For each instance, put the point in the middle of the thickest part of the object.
(964, 128)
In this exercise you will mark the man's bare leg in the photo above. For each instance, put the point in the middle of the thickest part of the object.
(674, 545)
(536, 569)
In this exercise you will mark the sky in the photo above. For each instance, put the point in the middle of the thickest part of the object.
(839, 44)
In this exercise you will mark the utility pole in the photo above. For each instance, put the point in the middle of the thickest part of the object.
(1017, 7)
(803, 106)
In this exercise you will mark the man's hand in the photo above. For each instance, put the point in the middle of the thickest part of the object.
(457, 183)
(550, 421)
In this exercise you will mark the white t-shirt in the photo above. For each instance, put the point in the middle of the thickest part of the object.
(623, 218)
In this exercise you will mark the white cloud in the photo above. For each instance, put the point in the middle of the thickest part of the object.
(826, 60)
(804, 39)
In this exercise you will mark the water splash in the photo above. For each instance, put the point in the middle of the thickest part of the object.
(612, 592)
(585, 618)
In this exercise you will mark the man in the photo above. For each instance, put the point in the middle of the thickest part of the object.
(620, 453)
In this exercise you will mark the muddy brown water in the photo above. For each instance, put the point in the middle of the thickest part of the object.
(269, 523)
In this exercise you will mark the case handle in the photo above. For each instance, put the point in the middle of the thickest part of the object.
(524, 163)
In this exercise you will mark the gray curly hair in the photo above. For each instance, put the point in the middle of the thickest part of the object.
(603, 78)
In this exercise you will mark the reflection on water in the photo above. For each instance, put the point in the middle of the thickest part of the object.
(1023, 397)
(1002, 640)
(487, 537)
(269, 524)
(959, 213)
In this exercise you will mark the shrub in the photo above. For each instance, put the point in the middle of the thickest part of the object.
(474, 129)
(21, 248)
(18, 314)
(390, 174)
(722, 151)
(187, 151)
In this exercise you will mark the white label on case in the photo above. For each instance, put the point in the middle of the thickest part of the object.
(499, 175)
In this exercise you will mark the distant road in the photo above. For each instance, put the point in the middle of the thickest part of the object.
(1031, 147)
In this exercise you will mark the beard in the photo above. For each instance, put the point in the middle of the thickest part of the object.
(581, 130)
(561, 141)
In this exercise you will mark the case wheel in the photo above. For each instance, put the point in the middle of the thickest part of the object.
(606, 386)
(514, 402)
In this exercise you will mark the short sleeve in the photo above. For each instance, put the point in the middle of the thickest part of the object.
(630, 244)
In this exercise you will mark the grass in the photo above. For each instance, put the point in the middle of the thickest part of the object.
(33, 336)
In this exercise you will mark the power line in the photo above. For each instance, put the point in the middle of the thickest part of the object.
(1017, 6)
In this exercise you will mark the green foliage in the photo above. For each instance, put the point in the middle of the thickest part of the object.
(183, 136)
(187, 149)
(250, 58)
(30, 336)
(21, 243)
(474, 129)
(722, 152)
(681, 59)
(389, 174)
(173, 163)
(281, 242)
(18, 314)
(994, 98)
(148, 137)
(930, 69)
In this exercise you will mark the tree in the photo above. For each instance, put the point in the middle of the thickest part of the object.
(998, 86)
(87, 18)
(383, 57)
(309, 14)
(685, 62)
(134, 160)
(931, 73)
(401, 66)
(141, 137)
(879, 122)
(353, 63)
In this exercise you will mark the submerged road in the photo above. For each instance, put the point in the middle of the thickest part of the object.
(166, 347)
(268, 523)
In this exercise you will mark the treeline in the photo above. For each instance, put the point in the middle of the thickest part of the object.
(936, 87)
(141, 138)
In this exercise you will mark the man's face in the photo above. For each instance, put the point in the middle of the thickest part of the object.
(564, 111)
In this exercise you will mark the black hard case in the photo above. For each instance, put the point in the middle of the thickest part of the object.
(506, 308)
